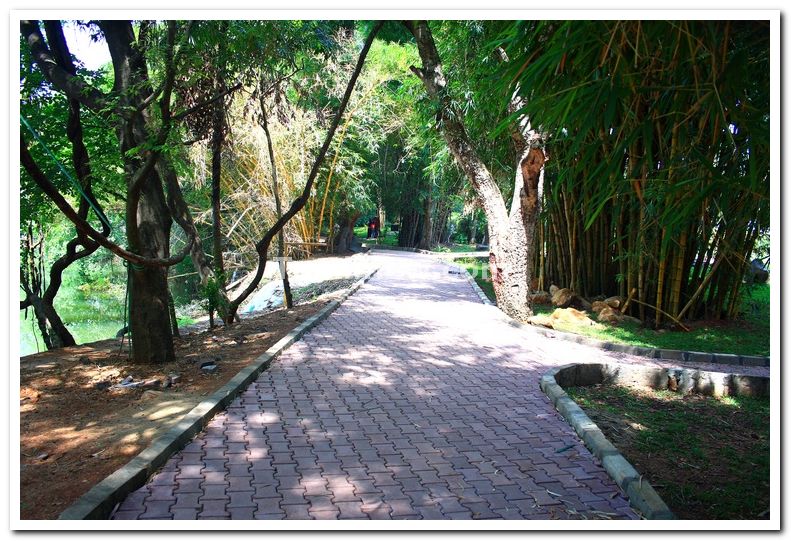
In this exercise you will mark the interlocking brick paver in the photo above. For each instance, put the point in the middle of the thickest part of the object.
(411, 400)
(297, 511)
(185, 514)
(158, 509)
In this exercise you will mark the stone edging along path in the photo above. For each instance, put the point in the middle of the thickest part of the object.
(99, 501)
(641, 494)
(652, 353)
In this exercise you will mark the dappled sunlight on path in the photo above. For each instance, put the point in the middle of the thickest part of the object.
(412, 400)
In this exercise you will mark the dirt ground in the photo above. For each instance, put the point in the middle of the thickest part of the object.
(73, 433)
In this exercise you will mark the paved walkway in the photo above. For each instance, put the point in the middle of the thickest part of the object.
(412, 400)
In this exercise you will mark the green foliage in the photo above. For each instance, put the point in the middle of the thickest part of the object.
(211, 293)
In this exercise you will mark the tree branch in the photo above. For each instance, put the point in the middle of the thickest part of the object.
(83, 226)
(72, 86)
(263, 245)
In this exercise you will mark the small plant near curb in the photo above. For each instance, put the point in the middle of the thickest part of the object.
(707, 457)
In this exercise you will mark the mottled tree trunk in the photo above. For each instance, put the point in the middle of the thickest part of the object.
(511, 234)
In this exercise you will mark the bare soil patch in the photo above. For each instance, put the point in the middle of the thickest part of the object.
(73, 433)
(708, 458)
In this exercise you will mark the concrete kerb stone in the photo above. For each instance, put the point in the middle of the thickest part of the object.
(101, 499)
(471, 281)
(642, 496)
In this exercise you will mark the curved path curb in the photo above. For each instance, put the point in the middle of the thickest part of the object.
(652, 353)
(99, 501)
(641, 494)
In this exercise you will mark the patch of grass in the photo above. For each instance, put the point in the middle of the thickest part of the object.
(386, 238)
(185, 320)
(313, 291)
(478, 267)
(707, 457)
(455, 248)
(747, 335)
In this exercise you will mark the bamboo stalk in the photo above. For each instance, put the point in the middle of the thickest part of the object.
(641, 293)
(541, 255)
(678, 272)
(660, 311)
(628, 300)
(660, 280)
(328, 186)
(701, 287)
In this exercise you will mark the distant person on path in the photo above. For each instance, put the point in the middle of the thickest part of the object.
(370, 228)
(376, 225)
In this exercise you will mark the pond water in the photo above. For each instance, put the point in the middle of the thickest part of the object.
(84, 332)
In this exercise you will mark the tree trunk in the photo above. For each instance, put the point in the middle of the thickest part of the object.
(141, 138)
(288, 298)
(148, 222)
(511, 235)
(218, 135)
(343, 240)
(428, 224)
(55, 333)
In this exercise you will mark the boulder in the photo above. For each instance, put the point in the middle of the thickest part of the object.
(562, 298)
(631, 319)
(563, 319)
(542, 320)
(572, 316)
(610, 315)
(614, 302)
(541, 297)
(758, 273)
(598, 306)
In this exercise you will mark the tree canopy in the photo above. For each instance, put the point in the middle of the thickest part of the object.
(655, 135)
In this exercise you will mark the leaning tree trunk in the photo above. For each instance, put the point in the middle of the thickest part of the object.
(262, 246)
(511, 234)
